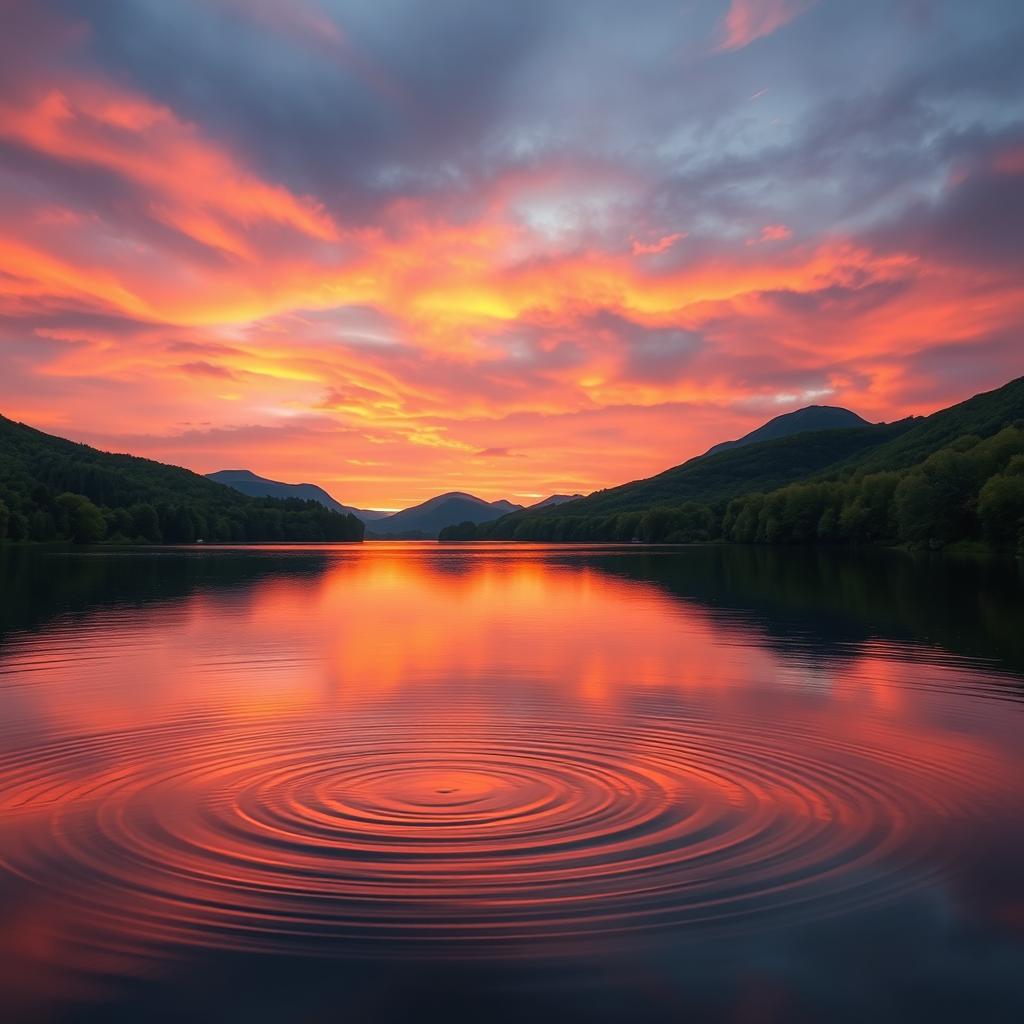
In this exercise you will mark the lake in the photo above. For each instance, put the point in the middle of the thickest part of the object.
(413, 781)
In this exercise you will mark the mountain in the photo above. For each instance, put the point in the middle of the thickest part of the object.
(247, 482)
(757, 467)
(813, 417)
(554, 499)
(715, 478)
(430, 517)
(54, 489)
(501, 505)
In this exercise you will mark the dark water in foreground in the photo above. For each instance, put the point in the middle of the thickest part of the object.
(400, 782)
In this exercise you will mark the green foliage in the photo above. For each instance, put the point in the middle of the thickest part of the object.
(742, 518)
(463, 531)
(970, 488)
(1001, 507)
(828, 525)
(689, 523)
(80, 520)
(144, 523)
(710, 480)
(965, 491)
(866, 510)
(981, 416)
(973, 432)
(56, 490)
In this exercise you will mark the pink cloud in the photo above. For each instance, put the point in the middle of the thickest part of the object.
(661, 245)
(772, 233)
(747, 20)
(1010, 162)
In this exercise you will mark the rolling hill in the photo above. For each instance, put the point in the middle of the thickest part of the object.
(249, 483)
(52, 489)
(756, 467)
(980, 416)
(717, 477)
(554, 499)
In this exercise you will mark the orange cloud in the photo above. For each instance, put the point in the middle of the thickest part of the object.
(145, 143)
(160, 293)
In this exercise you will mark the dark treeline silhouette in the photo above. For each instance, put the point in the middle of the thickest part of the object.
(970, 490)
(55, 490)
(955, 476)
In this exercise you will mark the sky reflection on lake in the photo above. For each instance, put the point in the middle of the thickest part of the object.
(574, 782)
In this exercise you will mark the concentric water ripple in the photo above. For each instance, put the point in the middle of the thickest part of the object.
(328, 833)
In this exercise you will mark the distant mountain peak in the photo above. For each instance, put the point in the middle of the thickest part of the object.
(554, 499)
(429, 517)
(448, 495)
(799, 421)
(234, 474)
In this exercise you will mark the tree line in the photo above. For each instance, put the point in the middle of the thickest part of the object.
(74, 518)
(970, 490)
(43, 516)
(56, 490)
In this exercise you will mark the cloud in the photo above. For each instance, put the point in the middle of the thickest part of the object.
(194, 185)
(499, 453)
(977, 221)
(663, 244)
(204, 369)
(365, 244)
(747, 20)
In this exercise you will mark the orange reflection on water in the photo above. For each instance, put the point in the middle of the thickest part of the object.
(482, 750)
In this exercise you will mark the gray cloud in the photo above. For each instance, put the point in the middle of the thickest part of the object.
(860, 108)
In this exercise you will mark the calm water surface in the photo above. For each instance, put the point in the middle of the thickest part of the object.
(402, 781)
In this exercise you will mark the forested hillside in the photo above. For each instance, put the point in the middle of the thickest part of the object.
(956, 475)
(53, 489)
(711, 479)
(980, 416)
(726, 474)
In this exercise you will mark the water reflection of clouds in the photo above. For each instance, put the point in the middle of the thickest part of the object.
(390, 744)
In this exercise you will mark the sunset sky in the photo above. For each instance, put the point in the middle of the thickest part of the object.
(397, 248)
